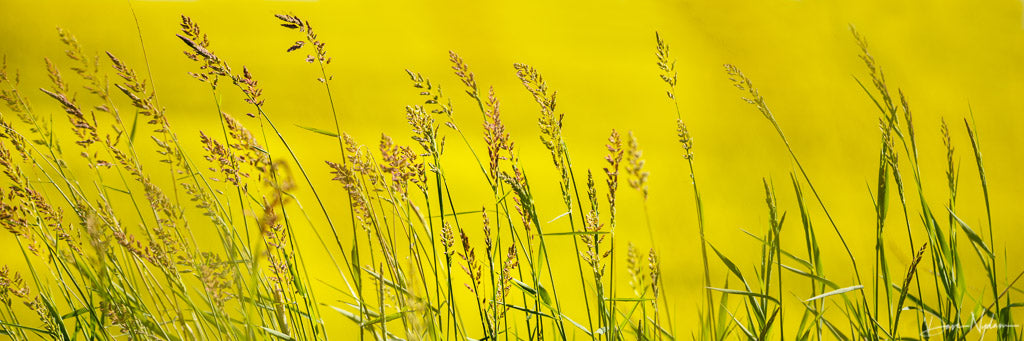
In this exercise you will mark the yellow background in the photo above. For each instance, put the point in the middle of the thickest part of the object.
(947, 56)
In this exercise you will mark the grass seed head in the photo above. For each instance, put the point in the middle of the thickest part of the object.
(487, 230)
(211, 67)
(87, 69)
(11, 284)
(401, 163)
(510, 263)
(227, 163)
(522, 201)
(550, 122)
(345, 174)
(43, 313)
(251, 88)
(143, 99)
(593, 255)
(470, 265)
(217, 278)
(614, 160)
(635, 166)
(462, 71)
(447, 239)
(424, 129)
(655, 270)
(84, 126)
(947, 141)
(877, 76)
(434, 99)
(667, 65)
(311, 38)
(752, 97)
(499, 143)
(685, 139)
(635, 268)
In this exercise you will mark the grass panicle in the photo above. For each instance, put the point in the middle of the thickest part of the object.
(120, 235)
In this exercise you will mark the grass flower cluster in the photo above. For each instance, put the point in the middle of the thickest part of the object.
(115, 251)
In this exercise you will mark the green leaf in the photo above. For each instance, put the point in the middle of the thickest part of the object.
(973, 236)
(116, 189)
(744, 293)
(347, 314)
(525, 287)
(768, 325)
(278, 334)
(526, 310)
(386, 318)
(811, 276)
(75, 313)
(319, 131)
(543, 294)
(580, 326)
(578, 233)
(729, 264)
(835, 292)
(803, 262)
(37, 330)
(629, 299)
(135, 124)
(458, 213)
(560, 216)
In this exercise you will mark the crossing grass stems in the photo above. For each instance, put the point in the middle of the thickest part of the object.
(111, 250)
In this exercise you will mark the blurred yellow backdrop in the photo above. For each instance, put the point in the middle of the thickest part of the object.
(947, 56)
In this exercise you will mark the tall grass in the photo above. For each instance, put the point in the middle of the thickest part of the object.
(115, 247)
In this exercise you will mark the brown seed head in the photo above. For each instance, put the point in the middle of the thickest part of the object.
(614, 159)
(499, 144)
(462, 71)
(667, 65)
(311, 38)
